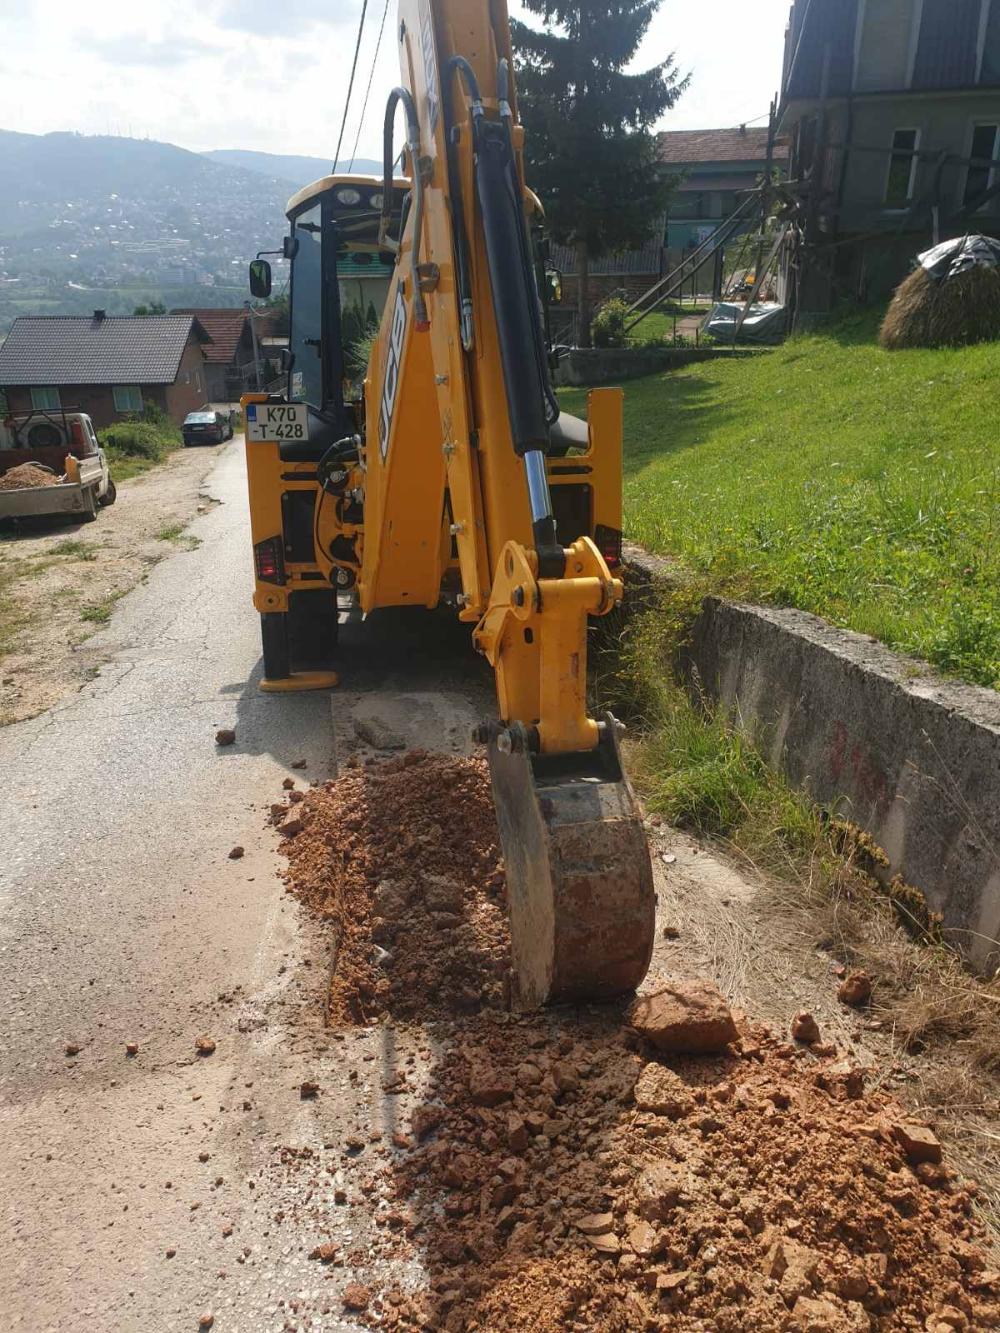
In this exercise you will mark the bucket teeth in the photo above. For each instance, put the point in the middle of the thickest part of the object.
(579, 880)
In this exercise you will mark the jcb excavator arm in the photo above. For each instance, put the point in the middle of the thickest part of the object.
(460, 425)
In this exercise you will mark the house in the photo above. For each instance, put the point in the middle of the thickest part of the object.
(229, 358)
(715, 170)
(893, 111)
(629, 272)
(107, 366)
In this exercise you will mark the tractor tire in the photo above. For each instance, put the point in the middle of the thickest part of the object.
(313, 626)
(274, 645)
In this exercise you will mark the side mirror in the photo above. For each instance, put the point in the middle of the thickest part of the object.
(553, 279)
(260, 278)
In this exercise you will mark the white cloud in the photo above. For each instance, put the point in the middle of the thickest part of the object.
(252, 74)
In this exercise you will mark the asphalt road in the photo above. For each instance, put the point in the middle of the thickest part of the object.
(141, 1192)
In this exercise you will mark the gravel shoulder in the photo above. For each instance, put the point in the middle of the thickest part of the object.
(59, 581)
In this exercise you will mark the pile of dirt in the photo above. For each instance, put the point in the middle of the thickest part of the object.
(557, 1173)
(569, 1182)
(403, 857)
(27, 475)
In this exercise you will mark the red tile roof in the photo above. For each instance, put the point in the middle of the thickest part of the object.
(224, 328)
(688, 147)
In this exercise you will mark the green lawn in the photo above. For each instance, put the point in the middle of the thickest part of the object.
(659, 327)
(829, 475)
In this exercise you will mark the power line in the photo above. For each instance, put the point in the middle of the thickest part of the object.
(350, 85)
(371, 75)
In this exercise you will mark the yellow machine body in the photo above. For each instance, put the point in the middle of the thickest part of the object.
(436, 491)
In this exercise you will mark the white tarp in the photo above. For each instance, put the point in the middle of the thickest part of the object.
(764, 322)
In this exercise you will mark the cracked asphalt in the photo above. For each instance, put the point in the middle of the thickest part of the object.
(142, 1192)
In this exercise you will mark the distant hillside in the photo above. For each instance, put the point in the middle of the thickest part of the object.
(100, 221)
(289, 167)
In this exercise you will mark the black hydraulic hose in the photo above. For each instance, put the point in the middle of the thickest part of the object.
(459, 65)
(388, 158)
(529, 267)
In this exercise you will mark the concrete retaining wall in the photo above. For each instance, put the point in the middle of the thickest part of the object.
(910, 757)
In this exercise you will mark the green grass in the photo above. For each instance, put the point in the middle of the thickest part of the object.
(134, 446)
(829, 475)
(77, 549)
(659, 327)
(172, 532)
(99, 613)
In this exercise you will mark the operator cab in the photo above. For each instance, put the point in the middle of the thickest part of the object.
(339, 282)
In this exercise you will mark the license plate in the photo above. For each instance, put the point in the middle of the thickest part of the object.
(277, 421)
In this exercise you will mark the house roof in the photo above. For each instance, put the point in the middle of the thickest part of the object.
(224, 327)
(61, 349)
(690, 147)
(643, 262)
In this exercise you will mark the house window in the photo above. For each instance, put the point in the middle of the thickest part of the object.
(128, 398)
(45, 400)
(902, 168)
(978, 179)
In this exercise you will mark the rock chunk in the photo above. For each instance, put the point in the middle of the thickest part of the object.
(660, 1091)
(225, 736)
(917, 1141)
(686, 1016)
(804, 1027)
(855, 989)
(356, 1297)
(204, 1045)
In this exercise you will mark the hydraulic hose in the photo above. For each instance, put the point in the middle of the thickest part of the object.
(459, 65)
(398, 95)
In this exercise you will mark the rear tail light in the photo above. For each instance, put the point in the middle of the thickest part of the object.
(609, 542)
(269, 561)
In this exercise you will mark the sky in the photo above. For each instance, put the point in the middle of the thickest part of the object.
(272, 76)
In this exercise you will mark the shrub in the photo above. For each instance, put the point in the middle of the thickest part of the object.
(138, 439)
(608, 328)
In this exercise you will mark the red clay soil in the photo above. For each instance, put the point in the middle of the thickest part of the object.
(559, 1175)
(403, 858)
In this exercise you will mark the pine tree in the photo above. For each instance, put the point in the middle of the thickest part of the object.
(590, 152)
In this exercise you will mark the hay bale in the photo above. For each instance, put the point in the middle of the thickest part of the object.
(949, 312)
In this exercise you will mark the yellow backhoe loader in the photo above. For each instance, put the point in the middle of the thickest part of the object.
(455, 479)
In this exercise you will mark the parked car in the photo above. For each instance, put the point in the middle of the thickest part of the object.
(207, 427)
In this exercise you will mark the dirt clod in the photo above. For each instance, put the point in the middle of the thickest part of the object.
(918, 1142)
(206, 1320)
(356, 1297)
(804, 1027)
(236, 854)
(204, 1045)
(855, 989)
(72, 1048)
(687, 1016)
(131, 1048)
(225, 736)
(308, 1090)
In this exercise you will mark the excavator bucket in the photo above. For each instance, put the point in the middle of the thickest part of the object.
(579, 880)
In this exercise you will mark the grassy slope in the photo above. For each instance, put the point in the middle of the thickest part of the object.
(855, 483)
